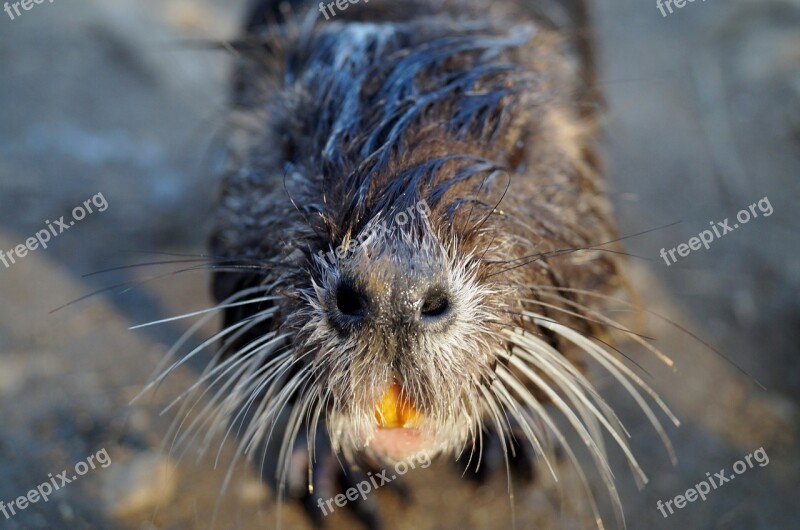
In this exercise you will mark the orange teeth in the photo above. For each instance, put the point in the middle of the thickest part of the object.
(395, 410)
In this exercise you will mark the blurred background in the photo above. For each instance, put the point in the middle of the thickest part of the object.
(106, 97)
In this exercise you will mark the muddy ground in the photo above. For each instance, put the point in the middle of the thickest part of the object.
(105, 97)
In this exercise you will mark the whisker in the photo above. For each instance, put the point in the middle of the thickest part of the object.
(225, 262)
(622, 374)
(616, 325)
(583, 317)
(214, 400)
(138, 282)
(194, 329)
(663, 318)
(214, 309)
(188, 356)
(502, 429)
(585, 407)
(525, 422)
(535, 257)
(526, 396)
(598, 339)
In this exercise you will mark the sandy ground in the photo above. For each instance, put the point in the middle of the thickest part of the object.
(105, 97)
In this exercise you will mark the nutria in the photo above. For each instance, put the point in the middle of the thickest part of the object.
(376, 336)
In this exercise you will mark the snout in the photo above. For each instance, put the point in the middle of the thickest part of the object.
(408, 301)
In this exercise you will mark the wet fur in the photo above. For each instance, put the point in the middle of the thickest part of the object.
(340, 125)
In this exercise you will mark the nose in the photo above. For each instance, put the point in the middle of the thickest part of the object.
(418, 301)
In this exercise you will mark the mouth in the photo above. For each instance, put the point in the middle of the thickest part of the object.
(396, 410)
(397, 434)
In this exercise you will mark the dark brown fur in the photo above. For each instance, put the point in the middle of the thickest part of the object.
(487, 114)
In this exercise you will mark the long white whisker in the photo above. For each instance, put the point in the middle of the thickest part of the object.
(581, 402)
(617, 369)
(525, 422)
(193, 329)
(501, 427)
(523, 393)
(619, 327)
(260, 353)
(214, 309)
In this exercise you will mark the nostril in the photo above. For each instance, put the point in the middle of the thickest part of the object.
(435, 304)
(349, 301)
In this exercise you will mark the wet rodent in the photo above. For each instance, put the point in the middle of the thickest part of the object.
(481, 118)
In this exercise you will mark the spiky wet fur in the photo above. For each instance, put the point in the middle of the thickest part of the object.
(340, 125)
